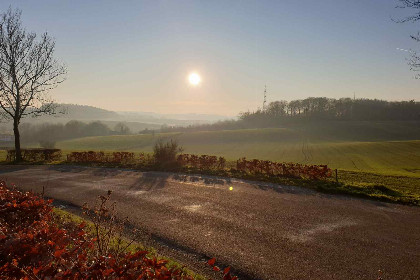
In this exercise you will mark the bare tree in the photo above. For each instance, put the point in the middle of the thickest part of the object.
(28, 71)
(122, 128)
(414, 61)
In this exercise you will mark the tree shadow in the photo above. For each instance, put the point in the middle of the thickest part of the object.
(106, 172)
(68, 168)
(11, 168)
(321, 194)
(283, 188)
(150, 181)
(96, 171)
(208, 180)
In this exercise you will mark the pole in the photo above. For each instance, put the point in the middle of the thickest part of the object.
(336, 175)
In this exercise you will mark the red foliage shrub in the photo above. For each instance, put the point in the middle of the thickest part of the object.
(146, 159)
(255, 166)
(208, 163)
(225, 272)
(203, 162)
(36, 155)
(85, 157)
(122, 157)
(101, 157)
(32, 246)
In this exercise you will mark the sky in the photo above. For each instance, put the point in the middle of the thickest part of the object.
(136, 55)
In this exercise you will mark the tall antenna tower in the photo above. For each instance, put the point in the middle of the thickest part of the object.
(265, 97)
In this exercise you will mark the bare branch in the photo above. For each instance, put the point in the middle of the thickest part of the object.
(414, 60)
(28, 69)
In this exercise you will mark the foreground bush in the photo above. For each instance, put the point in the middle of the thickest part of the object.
(32, 246)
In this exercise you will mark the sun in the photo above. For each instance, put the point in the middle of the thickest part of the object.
(194, 79)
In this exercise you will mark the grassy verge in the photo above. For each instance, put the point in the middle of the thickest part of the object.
(388, 188)
(63, 217)
(405, 189)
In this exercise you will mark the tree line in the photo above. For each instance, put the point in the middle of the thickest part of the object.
(47, 134)
(323, 108)
(316, 109)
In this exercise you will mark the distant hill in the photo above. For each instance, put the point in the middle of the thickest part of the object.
(81, 112)
(136, 121)
(200, 118)
(173, 119)
(85, 112)
(66, 112)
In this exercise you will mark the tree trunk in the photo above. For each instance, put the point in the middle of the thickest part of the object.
(18, 153)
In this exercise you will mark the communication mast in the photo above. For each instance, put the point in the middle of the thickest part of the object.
(265, 97)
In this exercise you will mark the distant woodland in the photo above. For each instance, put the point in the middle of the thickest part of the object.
(279, 113)
(48, 133)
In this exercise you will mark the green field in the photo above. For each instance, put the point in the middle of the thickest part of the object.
(388, 148)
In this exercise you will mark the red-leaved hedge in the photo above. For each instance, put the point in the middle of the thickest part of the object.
(35, 155)
(284, 169)
(211, 163)
(32, 246)
(202, 162)
(101, 157)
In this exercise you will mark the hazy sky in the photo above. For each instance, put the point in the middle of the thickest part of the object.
(136, 55)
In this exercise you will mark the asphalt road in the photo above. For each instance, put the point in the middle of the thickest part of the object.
(266, 231)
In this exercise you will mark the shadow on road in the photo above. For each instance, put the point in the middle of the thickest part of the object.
(202, 179)
(96, 171)
(68, 168)
(283, 189)
(107, 172)
(150, 181)
(11, 168)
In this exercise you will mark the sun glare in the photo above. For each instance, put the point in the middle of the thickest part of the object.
(194, 79)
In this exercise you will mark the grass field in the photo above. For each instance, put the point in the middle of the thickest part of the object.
(387, 149)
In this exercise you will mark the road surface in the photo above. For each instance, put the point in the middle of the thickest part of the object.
(265, 231)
